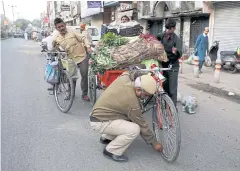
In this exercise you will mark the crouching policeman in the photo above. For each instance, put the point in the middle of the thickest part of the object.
(117, 115)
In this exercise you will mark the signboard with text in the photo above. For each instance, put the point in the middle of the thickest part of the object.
(65, 8)
(94, 4)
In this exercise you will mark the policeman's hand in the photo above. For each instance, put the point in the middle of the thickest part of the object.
(158, 147)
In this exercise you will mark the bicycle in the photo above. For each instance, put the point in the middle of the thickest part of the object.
(64, 84)
(164, 117)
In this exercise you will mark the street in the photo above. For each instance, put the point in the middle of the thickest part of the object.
(36, 136)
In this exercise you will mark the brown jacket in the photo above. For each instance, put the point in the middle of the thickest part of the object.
(73, 43)
(119, 101)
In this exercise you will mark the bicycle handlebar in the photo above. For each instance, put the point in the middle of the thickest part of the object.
(155, 69)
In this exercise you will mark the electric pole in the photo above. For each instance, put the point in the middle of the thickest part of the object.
(5, 18)
(12, 6)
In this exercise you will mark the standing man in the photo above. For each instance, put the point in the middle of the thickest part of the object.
(74, 44)
(201, 47)
(84, 32)
(172, 45)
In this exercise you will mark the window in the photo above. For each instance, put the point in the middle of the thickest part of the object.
(93, 31)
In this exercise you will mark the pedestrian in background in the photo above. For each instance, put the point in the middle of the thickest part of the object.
(173, 48)
(85, 32)
(201, 48)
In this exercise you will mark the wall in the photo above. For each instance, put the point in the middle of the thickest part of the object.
(97, 20)
(186, 35)
(143, 23)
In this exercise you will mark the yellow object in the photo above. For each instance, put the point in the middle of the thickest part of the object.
(238, 51)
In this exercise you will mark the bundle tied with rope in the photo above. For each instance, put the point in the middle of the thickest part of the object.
(116, 52)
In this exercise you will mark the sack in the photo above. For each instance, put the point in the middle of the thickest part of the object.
(51, 73)
(71, 67)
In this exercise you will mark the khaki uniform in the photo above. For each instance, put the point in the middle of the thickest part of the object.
(112, 112)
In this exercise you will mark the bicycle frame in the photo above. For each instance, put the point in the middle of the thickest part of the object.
(159, 79)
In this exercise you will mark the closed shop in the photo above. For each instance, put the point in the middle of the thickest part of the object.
(197, 27)
(227, 25)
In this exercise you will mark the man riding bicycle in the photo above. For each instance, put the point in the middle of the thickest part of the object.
(74, 44)
(117, 115)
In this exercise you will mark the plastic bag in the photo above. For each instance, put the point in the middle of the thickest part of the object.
(51, 73)
(189, 104)
(71, 67)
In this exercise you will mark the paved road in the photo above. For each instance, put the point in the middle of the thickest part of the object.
(37, 137)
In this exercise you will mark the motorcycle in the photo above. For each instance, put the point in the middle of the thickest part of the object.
(230, 59)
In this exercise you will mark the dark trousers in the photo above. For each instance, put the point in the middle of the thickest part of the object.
(171, 83)
(83, 68)
(201, 64)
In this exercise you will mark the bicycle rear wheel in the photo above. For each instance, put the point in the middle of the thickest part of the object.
(166, 127)
(64, 92)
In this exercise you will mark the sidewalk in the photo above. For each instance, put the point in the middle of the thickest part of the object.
(228, 82)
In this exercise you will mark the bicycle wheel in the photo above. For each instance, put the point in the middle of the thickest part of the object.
(92, 87)
(64, 92)
(166, 127)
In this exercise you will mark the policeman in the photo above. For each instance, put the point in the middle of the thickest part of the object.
(117, 115)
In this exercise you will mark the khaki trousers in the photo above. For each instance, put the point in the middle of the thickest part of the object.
(121, 132)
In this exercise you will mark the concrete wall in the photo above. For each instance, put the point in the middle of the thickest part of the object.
(143, 23)
(186, 35)
(97, 20)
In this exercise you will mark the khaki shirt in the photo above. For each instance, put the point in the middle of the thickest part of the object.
(73, 43)
(119, 101)
(89, 37)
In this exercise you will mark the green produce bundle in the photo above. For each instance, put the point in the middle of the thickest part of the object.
(116, 52)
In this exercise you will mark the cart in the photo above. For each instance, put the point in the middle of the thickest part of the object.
(98, 81)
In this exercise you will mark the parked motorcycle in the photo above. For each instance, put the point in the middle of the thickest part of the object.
(230, 59)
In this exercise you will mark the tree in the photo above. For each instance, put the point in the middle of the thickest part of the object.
(22, 23)
(36, 23)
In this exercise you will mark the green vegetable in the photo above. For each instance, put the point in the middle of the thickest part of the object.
(102, 58)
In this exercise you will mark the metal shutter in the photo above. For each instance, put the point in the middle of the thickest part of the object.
(227, 25)
(197, 27)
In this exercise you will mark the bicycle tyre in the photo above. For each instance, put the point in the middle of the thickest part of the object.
(158, 131)
(70, 81)
(92, 87)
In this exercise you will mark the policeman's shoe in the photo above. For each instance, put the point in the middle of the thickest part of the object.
(104, 140)
(115, 157)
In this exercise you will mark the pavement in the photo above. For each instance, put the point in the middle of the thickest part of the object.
(36, 136)
(228, 82)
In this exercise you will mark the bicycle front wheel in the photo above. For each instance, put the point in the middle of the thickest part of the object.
(64, 92)
(166, 127)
